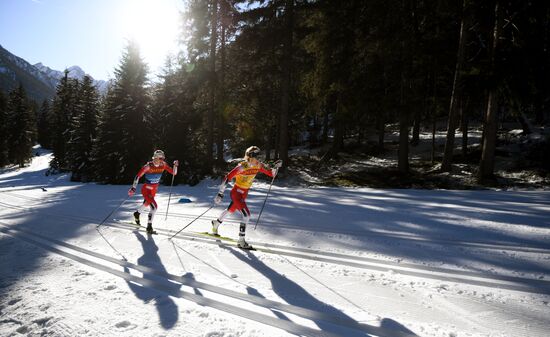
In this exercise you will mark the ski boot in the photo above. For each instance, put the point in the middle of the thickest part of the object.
(136, 218)
(150, 229)
(215, 224)
(242, 244)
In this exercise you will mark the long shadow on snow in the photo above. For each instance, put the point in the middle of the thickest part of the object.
(412, 212)
(166, 307)
(433, 215)
(296, 295)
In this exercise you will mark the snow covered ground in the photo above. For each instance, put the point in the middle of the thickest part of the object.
(330, 262)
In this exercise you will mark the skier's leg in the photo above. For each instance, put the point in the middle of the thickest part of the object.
(230, 209)
(153, 209)
(144, 205)
(151, 216)
(140, 210)
(245, 213)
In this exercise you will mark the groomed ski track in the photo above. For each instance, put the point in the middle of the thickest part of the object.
(165, 284)
(515, 283)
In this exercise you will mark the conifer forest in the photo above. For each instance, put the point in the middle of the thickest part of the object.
(343, 81)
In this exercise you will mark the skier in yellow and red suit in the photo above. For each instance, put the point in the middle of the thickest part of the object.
(244, 175)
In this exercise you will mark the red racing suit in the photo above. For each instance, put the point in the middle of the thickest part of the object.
(152, 175)
(244, 175)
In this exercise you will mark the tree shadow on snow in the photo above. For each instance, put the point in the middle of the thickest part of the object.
(388, 221)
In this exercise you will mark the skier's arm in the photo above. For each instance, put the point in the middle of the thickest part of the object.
(265, 171)
(238, 169)
(173, 171)
(271, 172)
(140, 174)
(225, 180)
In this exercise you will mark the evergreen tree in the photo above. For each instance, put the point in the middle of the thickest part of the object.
(177, 125)
(83, 131)
(44, 126)
(4, 135)
(64, 105)
(21, 124)
(124, 143)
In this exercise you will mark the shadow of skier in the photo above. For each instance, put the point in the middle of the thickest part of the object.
(166, 307)
(295, 294)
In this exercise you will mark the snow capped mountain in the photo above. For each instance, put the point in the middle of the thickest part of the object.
(39, 80)
(15, 70)
(74, 72)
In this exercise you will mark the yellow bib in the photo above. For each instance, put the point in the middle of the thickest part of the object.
(245, 178)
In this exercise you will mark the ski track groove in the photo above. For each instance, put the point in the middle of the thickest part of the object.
(518, 283)
(315, 255)
(381, 234)
(265, 303)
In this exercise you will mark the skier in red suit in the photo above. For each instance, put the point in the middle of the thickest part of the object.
(153, 172)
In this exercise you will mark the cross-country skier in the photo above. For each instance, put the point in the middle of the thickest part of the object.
(244, 175)
(152, 171)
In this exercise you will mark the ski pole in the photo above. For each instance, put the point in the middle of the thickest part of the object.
(114, 210)
(265, 200)
(169, 196)
(189, 224)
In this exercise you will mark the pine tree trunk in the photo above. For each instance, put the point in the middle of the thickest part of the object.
(268, 142)
(324, 135)
(446, 164)
(542, 107)
(487, 163)
(380, 125)
(285, 88)
(434, 129)
(465, 122)
(212, 106)
(338, 141)
(403, 149)
(416, 128)
(408, 52)
(221, 100)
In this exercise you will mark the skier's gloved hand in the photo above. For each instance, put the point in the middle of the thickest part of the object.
(218, 198)
(131, 191)
(274, 171)
(176, 163)
(278, 164)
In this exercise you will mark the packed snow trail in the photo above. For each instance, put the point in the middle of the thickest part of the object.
(332, 261)
(54, 246)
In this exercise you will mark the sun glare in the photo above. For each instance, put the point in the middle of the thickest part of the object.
(154, 25)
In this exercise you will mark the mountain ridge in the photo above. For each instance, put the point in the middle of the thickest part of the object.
(39, 80)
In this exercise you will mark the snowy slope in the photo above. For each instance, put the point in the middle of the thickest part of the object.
(330, 262)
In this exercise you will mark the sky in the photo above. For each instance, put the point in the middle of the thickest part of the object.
(89, 33)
